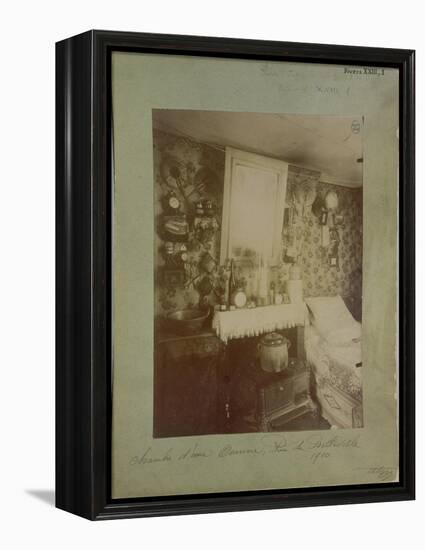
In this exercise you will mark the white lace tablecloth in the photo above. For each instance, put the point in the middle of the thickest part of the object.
(242, 323)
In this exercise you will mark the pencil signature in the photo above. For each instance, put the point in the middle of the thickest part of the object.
(384, 473)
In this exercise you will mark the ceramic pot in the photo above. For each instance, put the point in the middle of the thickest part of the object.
(273, 352)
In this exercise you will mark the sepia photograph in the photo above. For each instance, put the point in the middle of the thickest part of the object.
(257, 272)
(255, 275)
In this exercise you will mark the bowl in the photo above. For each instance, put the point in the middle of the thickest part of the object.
(186, 321)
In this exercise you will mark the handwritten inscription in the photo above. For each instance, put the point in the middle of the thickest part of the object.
(315, 447)
(365, 71)
(149, 458)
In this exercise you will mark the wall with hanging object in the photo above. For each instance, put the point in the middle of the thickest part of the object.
(326, 245)
(190, 175)
(341, 235)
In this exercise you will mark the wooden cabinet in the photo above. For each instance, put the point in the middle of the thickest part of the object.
(186, 385)
(205, 387)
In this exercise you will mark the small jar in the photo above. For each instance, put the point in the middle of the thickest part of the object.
(199, 208)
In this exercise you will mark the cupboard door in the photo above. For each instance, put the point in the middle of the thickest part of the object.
(186, 392)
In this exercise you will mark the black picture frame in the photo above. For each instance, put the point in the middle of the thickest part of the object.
(83, 274)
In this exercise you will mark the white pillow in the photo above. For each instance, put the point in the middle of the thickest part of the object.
(333, 320)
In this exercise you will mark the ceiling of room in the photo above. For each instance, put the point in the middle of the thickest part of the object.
(330, 144)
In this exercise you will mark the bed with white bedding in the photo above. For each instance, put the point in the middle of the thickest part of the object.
(333, 350)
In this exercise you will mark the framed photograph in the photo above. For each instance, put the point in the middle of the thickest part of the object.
(235, 282)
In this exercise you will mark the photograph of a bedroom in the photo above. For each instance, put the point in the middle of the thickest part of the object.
(258, 272)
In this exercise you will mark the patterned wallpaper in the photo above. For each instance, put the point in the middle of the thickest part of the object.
(200, 174)
(319, 278)
(193, 170)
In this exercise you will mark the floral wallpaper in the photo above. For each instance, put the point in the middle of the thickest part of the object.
(200, 175)
(193, 172)
(319, 278)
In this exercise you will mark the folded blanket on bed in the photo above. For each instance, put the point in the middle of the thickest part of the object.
(333, 321)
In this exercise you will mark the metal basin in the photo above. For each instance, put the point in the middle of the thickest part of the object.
(186, 321)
